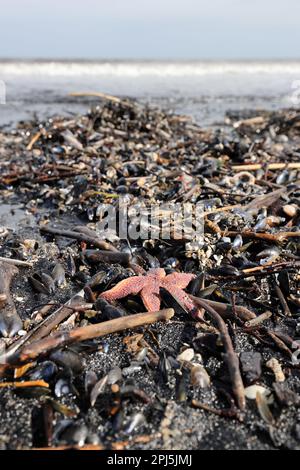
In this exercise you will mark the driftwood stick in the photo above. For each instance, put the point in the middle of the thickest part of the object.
(80, 236)
(231, 357)
(225, 310)
(62, 338)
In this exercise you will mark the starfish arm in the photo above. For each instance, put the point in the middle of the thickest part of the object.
(150, 299)
(180, 280)
(132, 285)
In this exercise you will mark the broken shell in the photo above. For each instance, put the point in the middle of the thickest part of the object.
(98, 389)
(114, 375)
(186, 355)
(263, 408)
(237, 242)
(275, 366)
(269, 253)
(135, 421)
(244, 177)
(290, 210)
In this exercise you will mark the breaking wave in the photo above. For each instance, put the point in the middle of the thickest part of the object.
(139, 69)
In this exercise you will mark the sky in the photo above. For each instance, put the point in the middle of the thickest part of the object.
(150, 29)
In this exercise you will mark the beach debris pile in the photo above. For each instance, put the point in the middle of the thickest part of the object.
(101, 337)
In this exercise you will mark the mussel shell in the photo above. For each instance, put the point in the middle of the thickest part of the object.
(101, 279)
(10, 322)
(196, 284)
(58, 274)
(68, 359)
(90, 380)
(108, 311)
(171, 302)
(63, 387)
(43, 371)
(72, 434)
(33, 392)
(284, 282)
(225, 270)
(42, 283)
(71, 266)
(164, 368)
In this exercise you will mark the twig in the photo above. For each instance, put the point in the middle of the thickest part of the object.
(270, 237)
(16, 262)
(221, 209)
(34, 139)
(270, 166)
(231, 357)
(278, 341)
(285, 307)
(83, 333)
(80, 237)
(225, 412)
(258, 320)
(97, 94)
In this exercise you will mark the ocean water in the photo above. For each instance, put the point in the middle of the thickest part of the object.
(205, 90)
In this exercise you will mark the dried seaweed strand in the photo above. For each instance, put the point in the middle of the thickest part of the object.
(231, 357)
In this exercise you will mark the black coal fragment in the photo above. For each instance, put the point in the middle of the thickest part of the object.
(251, 366)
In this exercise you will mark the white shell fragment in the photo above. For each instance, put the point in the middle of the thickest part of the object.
(253, 390)
(186, 356)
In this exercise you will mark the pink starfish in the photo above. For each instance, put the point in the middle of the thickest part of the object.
(148, 287)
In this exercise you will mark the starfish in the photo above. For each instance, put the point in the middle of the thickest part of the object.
(148, 287)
